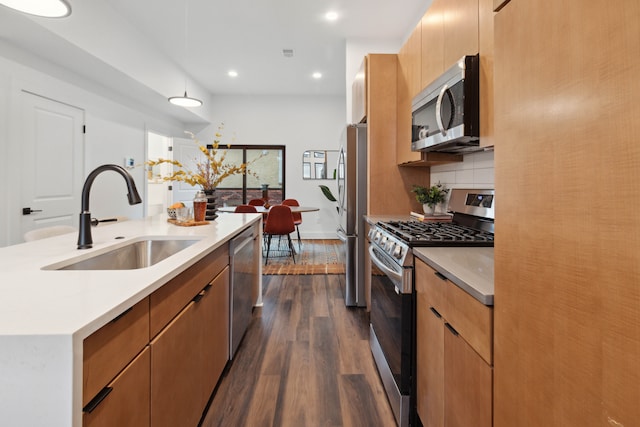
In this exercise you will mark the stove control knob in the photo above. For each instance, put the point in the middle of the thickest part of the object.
(397, 252)
(389, 246)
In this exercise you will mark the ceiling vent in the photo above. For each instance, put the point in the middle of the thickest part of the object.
(287, 53)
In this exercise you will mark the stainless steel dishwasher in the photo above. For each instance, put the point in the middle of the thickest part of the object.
(245, 263)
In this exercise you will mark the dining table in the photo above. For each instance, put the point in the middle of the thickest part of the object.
(262, 209)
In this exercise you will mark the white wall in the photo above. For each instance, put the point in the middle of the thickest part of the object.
(114, 131)
(298, 122)
(476, 171)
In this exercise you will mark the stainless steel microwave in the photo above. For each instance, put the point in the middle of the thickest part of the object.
(446, 113)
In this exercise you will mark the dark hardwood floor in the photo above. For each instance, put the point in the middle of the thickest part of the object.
(304, 361)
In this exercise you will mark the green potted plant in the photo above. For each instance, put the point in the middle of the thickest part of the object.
(430, 197)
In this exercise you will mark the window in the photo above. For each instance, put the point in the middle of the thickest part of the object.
(269, 166)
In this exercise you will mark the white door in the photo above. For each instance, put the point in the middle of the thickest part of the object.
(158, 196)
(52, 162)
(185, 151)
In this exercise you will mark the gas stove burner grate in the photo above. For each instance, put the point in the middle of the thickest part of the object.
(432, 233)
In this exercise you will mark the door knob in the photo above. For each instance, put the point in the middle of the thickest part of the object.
(29, 211)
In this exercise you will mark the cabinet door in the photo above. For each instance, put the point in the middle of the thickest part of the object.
(214, 333)
(485, 44)
(188, 356)
(468, 386)
(403, 113)
(460, 30)
(175, 396)
(128, 402)
(432, 56)
(429, 364)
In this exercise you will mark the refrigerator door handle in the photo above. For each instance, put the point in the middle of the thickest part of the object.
(341, 235)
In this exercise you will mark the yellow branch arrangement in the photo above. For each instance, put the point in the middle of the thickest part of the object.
(210, 171)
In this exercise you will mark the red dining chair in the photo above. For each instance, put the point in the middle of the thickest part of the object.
(279, 223)
(245, 209)
(297, 217)
(256, 202)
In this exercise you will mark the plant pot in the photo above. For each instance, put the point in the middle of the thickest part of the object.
(211, 212)
(430, 210)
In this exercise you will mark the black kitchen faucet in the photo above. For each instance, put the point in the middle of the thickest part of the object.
(85, 241)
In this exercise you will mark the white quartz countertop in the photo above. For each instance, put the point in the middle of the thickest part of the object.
(469, 268)
(46, 314)
(45, 302)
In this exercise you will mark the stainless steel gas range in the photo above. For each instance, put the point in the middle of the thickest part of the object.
(393, 316)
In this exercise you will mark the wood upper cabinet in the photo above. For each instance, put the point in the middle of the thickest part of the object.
(188, 356)
(485, 42)
(460, 30)
(454, 379)
(408, 72)
(432, 49)
(359, 94)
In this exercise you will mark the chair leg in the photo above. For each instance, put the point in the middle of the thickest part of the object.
(268, 247)
(299, 241)
(293, 254)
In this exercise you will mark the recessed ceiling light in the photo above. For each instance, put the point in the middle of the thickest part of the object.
(45, 8)
(317, 75)
(331, 16)
(232, 73)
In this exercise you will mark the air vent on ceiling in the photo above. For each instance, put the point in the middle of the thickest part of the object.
(287, 53)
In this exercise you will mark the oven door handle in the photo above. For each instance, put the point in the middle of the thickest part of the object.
(393, 275)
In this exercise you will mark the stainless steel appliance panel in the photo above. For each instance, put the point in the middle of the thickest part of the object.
(445, 115)
(244, 279)
(352, 206)
(392, 330)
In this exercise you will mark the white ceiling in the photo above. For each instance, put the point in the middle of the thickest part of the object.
(144, 40)
(248, 36)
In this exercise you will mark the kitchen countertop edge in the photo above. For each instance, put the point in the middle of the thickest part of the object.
(471, 269)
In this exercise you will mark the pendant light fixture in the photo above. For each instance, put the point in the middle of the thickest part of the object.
(185, 100)
(44, 8)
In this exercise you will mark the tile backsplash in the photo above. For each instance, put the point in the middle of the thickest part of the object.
(476, 171)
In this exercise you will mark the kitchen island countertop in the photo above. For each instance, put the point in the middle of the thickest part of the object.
(46, 314)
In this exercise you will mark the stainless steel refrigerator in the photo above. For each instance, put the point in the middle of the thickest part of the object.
(352, 206)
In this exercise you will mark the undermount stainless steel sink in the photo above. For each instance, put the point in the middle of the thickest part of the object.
(137, 254)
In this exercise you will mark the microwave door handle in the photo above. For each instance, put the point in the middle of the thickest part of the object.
(439, 110)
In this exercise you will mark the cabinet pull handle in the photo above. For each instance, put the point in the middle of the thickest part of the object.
(97, 400)
(451, 329)
(121, 315)
(198, 297)
(440, 275)
(434, 311)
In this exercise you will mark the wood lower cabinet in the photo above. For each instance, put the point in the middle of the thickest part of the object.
(158, 362)
(454, 382)
(111, 348)
(188, 356)
(127, 401)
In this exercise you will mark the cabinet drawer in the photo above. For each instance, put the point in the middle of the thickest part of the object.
(127, 403)
(108, 350)
(170, 299)
(433, 285)
(472, 319)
